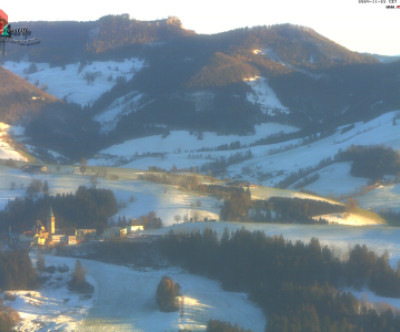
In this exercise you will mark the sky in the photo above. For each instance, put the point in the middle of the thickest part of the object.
(361, 27)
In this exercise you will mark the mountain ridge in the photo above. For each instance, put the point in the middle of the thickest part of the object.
(226, 82)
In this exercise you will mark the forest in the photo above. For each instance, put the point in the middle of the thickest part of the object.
(87, 208)
(239, 207)
(296, 284)
(16, 270)
(16, 273)
(372, 162)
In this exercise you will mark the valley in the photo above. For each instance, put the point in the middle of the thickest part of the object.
(162, 134)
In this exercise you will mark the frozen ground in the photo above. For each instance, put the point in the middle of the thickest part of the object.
(269, 164)
(77, 83)
(180, 146)
(335, 180)
(379, 131)
(382, 198)
(265, 97)
(124, 298)
(53, 307)
(172, 205)
(349, 219)
(126, 302)
(135, 198)
(7, 148)
(109, 118)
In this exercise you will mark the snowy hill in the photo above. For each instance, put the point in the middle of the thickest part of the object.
(179, 147)
(124, 300)
(138, 79)
(81, 83)
(268, 164)
(19, 99)
(135, 198)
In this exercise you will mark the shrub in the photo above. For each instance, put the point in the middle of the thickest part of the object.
(78, 282)
(166, 295)
(40, 264)
(8, 318)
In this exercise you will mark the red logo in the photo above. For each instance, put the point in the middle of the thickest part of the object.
(3, 21)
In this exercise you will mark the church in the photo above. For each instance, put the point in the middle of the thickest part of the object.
(47, 235)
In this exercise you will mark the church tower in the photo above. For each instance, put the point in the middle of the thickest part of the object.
(51, 222)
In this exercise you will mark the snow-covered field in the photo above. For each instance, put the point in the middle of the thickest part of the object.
(335, 180)
(382, 198)
(375, 132)
(53, 307)
(81, 84)
(124, 300)
(120, 107)
(180, 147)
(7, 150)
(349, 219)
(135, 198)
(269, 163)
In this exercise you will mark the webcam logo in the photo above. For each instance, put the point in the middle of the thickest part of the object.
(7, 34)
(4, 27)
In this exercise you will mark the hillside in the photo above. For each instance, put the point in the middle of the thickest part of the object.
(132, 79)
(64, 42)
(19, 98)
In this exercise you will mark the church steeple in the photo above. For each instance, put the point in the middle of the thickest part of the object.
(51, 219)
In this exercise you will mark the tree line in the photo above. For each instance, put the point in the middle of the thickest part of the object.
(16, 270)
(87, 208)
(296, 284)
(372, 162)
(239, 207)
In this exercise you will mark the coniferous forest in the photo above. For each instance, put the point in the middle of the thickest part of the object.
(16, 270)
(297, 285)
(87, 208)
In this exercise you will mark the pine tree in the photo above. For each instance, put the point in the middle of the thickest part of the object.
(79, 273)
(166, 295)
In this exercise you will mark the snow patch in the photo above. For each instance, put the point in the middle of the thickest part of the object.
(125, 301)
(77, 83)
(335, 180)
(349, 219)
(118, 109)
(383, 198)
(7, 145)
(265, 97)
(178, 144)
(52, 307)
(202, 100)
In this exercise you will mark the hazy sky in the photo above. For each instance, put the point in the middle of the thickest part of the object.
(360, 27)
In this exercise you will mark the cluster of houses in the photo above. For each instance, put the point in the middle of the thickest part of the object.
(46, 234)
